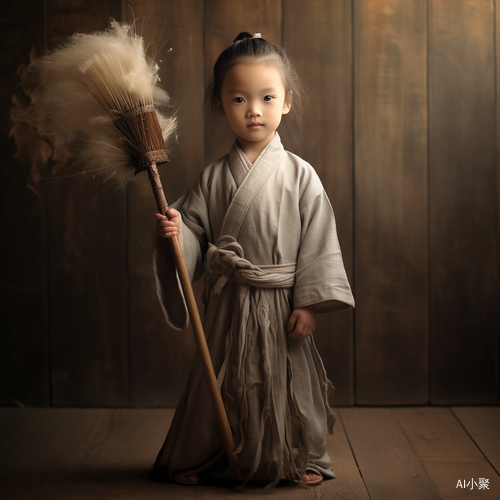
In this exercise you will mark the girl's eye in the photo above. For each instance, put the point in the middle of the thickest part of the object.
(239, 100)
(268, 98)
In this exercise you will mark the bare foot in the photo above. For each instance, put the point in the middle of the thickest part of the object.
(312, 478)
(190, 480)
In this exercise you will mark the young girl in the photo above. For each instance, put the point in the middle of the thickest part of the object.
(259, 224)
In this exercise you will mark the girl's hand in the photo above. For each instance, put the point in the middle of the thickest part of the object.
(302, 322)
(168, 227)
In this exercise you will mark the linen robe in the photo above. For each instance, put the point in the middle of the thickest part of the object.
(265, 236)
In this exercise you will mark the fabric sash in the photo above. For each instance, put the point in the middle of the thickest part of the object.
(225, 261)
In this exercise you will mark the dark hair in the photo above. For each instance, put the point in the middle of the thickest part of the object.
(246, 46)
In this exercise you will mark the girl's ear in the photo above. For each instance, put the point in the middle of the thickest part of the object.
(287, 105)
(220, 109)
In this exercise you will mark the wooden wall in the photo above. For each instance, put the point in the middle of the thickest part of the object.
(402, 129)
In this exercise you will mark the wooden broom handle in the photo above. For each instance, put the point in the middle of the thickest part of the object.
(194, 315)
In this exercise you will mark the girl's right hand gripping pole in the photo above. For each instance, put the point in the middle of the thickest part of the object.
(194, 315)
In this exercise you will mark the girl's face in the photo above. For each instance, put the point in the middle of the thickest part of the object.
(253, 100)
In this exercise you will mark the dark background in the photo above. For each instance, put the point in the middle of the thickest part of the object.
(402, 129)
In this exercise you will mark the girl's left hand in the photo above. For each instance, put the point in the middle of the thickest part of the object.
(302, 322)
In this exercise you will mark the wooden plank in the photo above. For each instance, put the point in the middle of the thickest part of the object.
(224, 19)
(128, 436)
(391, 229)
(115, 459)
(324, 29)
(40, 443)
(348, 483)
(388, 463)
(435, 433)
(497, 89)
(95, 453)
(24, 343)
(65, 17)
(87, 268)
(481, 423)
(160, 356)
(463, 203)
(16, 424)
(457, 479)
(447, 452)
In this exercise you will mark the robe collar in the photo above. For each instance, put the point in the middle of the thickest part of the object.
(240, 165)
(249, 179)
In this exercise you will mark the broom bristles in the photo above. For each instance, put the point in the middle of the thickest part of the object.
(129, 105)
(100, 92)
(114, 85)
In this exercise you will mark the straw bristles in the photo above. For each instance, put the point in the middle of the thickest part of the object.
(115, 83)
(98, 93)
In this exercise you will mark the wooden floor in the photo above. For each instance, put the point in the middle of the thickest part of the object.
(412, 453)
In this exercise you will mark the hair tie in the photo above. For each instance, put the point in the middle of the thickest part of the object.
(255, 35)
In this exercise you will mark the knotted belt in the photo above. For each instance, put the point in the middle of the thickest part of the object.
(225, 261)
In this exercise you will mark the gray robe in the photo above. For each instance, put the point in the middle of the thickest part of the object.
(265, 236)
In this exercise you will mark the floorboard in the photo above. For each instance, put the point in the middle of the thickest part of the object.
(482, 423)
(415, 453)
(389, 466)
(448, 454)
(349, 483)
(39, 447)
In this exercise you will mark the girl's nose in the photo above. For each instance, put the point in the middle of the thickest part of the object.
(254, 110)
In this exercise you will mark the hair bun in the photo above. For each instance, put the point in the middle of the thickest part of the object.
(242, 36)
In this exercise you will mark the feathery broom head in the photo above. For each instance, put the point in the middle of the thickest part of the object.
(128, 101)
(101, 91)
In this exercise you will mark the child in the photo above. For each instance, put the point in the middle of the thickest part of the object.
(262, 225)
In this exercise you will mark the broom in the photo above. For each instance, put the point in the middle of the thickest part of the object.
(102, 87)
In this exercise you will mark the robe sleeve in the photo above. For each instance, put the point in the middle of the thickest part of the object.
(194, 236)
(321, 277)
